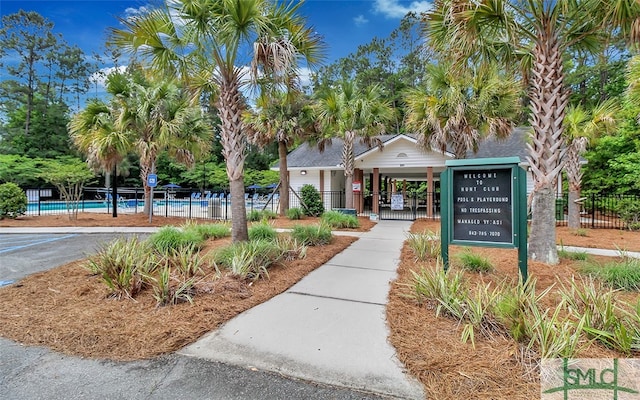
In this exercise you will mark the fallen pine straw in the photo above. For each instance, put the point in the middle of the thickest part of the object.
(68, 310)
(431, 348)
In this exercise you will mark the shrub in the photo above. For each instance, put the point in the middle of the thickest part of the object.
(123, 265)
(295, 213)
(473, 262)
(629, 212)
(339, 220)
(312, 235)
(424, 245)
(262, 231)
(13, 201)
(170, 238)
(311, 200)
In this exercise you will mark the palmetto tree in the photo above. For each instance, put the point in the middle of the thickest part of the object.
(457, 107)
(211, 44)
(146, 117)
(581, 128)
(94, 133)
(542, 30)
(352, 113)
(282, 117)
(159, 116)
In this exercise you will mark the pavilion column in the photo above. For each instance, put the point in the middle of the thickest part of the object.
(357, 203)
(404, 190)
(321, 186)
(430, 193)
(375, 201)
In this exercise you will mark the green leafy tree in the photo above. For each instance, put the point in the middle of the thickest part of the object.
(542, 31)
(206, 43)
(69, 176)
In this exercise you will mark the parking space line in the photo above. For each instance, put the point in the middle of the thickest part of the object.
(35, 243)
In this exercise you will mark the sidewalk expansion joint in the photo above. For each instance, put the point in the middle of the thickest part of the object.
(337, 298)
(395, 266)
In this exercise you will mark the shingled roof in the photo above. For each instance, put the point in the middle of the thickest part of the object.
(308, 156)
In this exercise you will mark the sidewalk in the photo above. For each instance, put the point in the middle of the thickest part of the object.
(330, 327)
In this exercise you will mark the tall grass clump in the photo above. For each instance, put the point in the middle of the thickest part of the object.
(339, 220)
(624, 274)
(122, 264)
(312, 235)
(425, 245)
(601, 317)
(249, 260)
(254, 215)
(168, 289)
(295, 213)
(473, 262)
(260, 215)
(170, 238)
(262, 231)
(209, 231)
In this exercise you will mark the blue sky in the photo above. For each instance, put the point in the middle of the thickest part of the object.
(343, 24)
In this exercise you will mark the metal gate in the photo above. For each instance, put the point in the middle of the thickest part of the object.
(410, 208)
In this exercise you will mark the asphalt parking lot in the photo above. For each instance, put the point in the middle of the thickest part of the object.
(22, 254)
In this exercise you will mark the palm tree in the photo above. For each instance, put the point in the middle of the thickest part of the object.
(205, 43)
(283, 117)
(351, 113)
(145, 117)
(581, 128)
(542, 31)
(460, 106)
(94, 133)
(158, 115)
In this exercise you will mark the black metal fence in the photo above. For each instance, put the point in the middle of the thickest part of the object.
(596, 211)
(602, 211)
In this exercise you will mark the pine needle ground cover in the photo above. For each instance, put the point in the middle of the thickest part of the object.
(492, 365)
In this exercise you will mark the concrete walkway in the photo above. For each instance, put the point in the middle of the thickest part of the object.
(330, 327)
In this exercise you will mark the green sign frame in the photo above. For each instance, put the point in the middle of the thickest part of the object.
(484, 203)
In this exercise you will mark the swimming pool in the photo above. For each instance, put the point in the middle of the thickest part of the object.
(61, 205)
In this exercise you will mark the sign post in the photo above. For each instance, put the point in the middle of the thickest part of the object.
(152, 181)
(484, 203)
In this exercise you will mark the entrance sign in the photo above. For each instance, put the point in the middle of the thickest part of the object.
(484, 204)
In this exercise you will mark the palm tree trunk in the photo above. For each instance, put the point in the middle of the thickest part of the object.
(233, 139)
(347, 159)
(548, 102)
(284, 178)
(574, 176)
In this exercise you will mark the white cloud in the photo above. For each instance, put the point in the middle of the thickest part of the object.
(393, 8)
(360, 20)
(100, 77)
(130, 12)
